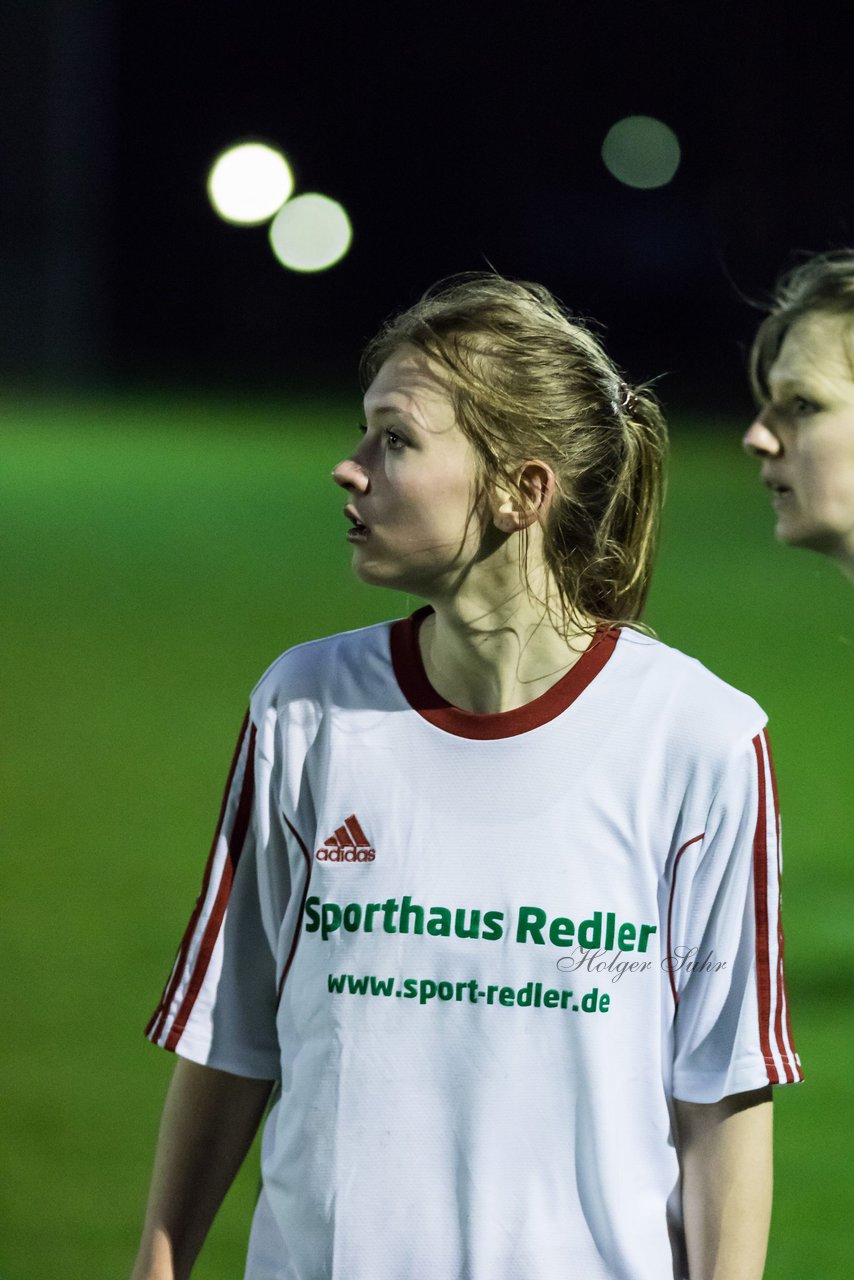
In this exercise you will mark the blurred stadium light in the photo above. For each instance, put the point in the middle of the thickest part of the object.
(641, 151)
(249, 182)
(310, 233)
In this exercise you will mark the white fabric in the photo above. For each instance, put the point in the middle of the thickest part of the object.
(470, 1131)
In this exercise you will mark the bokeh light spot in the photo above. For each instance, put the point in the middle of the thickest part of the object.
(249, 182)
(641, 151)
(310, 233)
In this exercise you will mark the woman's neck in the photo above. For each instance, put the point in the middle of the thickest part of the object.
(488, 657)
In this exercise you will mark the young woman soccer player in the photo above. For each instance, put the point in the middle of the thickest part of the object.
(494, 895)
(802, 369)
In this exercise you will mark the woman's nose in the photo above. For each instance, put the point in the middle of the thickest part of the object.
(350, 475)
(761, 442)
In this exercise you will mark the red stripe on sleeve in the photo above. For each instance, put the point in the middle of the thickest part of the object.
(760, 905)
(300, 913)
(155, 1027)
(784, 1038)
(669, 957)
(235, 847)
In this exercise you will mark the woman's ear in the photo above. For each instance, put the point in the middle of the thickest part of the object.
(536, 488)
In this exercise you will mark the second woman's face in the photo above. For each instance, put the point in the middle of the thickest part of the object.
(805, 436)
(412, 483)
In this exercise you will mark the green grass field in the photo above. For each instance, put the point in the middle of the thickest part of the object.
(157, 556)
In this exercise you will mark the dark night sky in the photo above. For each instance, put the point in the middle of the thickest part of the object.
(453, 135)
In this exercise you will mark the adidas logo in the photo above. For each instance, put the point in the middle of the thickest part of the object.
(348, 844)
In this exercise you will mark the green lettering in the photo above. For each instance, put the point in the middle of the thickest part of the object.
(311, 913)
(561, 932)
(473, 930)
(416, 913)
(531, 921)
(352, 917)
(506, 996)
(551, 998)
(646, 931)
(439, 924)
(626, 937)
(390, 906)
(370, 911)
(590, 932)
(330, 919)
(493, 926)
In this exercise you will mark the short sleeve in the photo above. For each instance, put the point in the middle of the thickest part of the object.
(725, 947)
(218, 1007)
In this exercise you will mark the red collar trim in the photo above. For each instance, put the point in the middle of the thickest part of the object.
(423, 698)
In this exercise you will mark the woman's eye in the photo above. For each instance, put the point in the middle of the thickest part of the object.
(801, 406)
(395, 441)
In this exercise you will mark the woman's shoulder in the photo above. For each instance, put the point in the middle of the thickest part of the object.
(693, 695)
(314, 668)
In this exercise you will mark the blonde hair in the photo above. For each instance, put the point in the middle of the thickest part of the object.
(823, 283)
(529, 381)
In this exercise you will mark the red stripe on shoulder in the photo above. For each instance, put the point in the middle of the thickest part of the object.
(783, 1034)
(298, 926)
(235, 848)
(155, 1027)
(760, 906)
(669, 956)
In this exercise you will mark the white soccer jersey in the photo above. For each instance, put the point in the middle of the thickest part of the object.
(482, 954)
